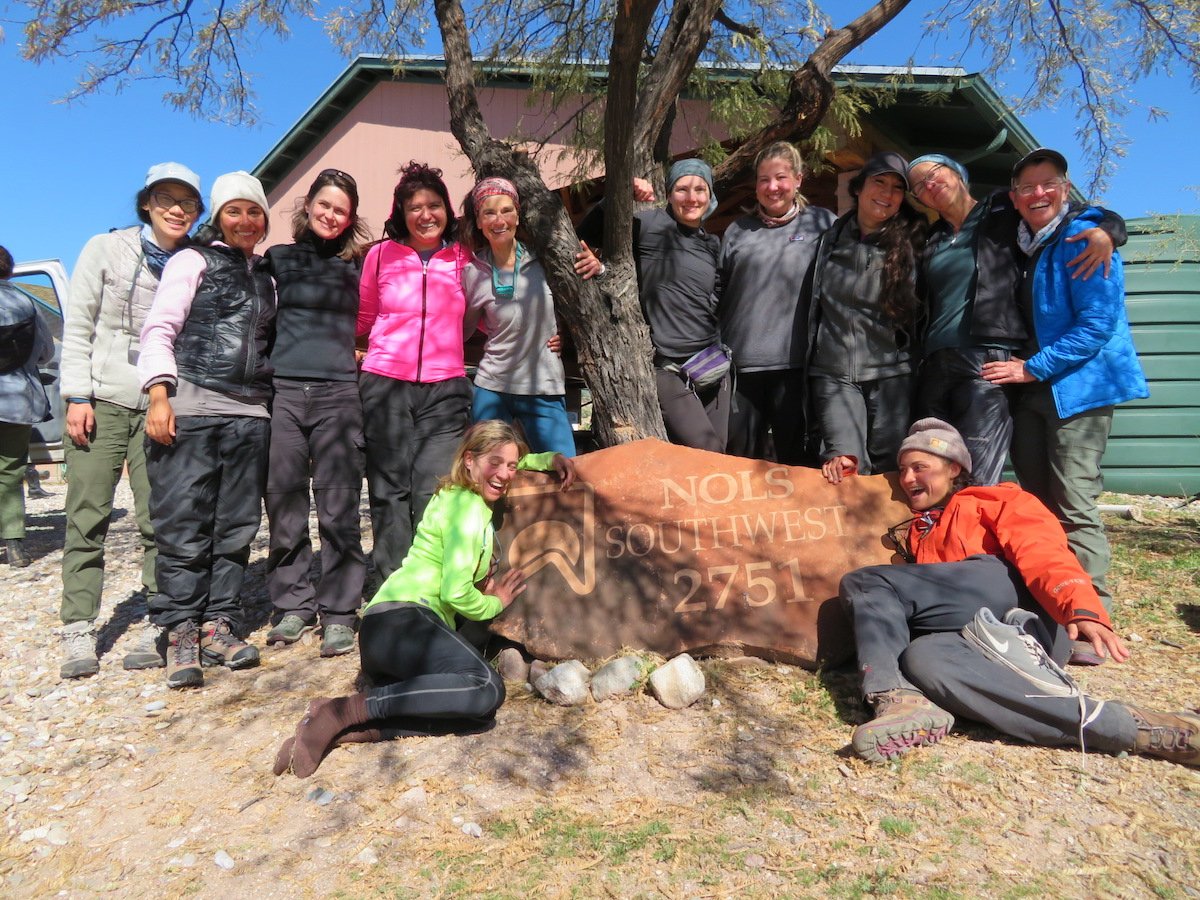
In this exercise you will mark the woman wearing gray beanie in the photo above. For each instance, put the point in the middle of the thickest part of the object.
(677, 274)
(204, 365)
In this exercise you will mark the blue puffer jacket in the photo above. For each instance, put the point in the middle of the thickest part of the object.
(1087, 353)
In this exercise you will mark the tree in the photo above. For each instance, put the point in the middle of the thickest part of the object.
(1087, 53)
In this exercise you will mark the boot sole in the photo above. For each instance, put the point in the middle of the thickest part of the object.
(134, 662)
(188, 677)
(275, 640)
(79, 668)
(209, 658)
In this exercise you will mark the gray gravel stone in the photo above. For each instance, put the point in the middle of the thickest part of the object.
(678, 683)
(617, 677)
(224, 860)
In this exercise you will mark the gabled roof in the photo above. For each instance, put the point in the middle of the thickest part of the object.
(935, 109)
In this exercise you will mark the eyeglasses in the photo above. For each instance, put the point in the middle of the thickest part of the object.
(898, 536)
(163, 200)
(338, 173)
(923, 185)
(1048, 187)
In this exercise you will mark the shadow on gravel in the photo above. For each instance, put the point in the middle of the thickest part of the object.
(132, 609)
(1190, 614)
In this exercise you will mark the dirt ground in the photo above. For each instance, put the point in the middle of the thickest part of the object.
(115, 785)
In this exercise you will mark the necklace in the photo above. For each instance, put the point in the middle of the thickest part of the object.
(506, 291)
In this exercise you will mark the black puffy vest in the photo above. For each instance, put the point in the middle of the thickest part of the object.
(223, 345)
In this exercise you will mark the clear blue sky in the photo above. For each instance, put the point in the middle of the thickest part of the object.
(72, 170)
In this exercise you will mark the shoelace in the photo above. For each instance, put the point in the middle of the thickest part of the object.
(1039, 653)
(187, 647)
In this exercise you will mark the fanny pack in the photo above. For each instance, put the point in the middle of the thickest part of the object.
(706, 367)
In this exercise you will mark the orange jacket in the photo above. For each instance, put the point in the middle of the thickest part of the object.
(1013, 524)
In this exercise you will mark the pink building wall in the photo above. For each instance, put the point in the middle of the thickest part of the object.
(399, 121)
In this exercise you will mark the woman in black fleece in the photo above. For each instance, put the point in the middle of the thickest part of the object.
(316, 418)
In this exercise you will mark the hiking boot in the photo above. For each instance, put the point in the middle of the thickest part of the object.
(1011, 644)
(148, 648)
(1084, 654)
(338, 639)
(219, 646)
(183, 656)
(289, 630)
(1174, 736)
(17, 557)
(904, 719)
(79, 650)
(33, 484)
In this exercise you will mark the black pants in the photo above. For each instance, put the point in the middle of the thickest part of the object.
(206, 502)
(864, 419)
(423, 669)
(317, 436)
(412, 430)
(953, 390)
(694, 418)
(771, 402)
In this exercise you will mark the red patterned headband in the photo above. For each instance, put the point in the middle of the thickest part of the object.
(494, 187)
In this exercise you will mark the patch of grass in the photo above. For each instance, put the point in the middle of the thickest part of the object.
(895, 828)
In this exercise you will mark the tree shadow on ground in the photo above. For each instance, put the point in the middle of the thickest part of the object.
(1189, 613)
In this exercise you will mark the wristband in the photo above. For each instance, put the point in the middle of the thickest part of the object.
(79, 400)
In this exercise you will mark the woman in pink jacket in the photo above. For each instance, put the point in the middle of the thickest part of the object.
(415, 393)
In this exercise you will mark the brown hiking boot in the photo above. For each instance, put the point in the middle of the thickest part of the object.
(1174, 736)
(219, 646)
(183, 656)
(904, 719)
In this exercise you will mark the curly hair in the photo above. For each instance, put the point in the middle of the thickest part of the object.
(418, 176)
(351, 243)
(902, 239)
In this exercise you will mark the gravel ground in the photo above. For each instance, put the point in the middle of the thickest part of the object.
(115, 785)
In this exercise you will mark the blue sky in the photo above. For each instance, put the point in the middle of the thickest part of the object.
(73, 169)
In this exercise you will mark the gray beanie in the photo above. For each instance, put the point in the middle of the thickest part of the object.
(697, 167)
(237, 186)
(939, 438)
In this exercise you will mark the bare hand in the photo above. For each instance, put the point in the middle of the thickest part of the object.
(1103, 639)
(507, 587)
(1097, 253)
(643, 191)
(564, 467)
(81, 423)
(1008, 371)
(587, 265)
(838, 468)
(160, 417)
(554, 345)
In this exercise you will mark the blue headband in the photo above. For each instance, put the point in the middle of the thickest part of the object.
(699, 168)
(940, 159)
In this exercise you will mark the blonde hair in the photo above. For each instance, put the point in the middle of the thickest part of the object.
(789, 154)
(481, 438)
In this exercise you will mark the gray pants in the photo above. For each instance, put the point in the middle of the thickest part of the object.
(864, 419)
(907, 624)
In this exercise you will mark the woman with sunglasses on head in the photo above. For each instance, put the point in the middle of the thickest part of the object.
(316, 418)
(415, 394)
(112, 289)
(204, 366)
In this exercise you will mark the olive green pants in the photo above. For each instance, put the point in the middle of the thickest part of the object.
(14, 449)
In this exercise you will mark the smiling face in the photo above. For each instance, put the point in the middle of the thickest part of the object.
(497, 220)
(689, 200)
(937, 186)
(243, 224)
(926, 479)
(776, 185)
(879, 200)
(329, 213)
(425, 217)
(1039, 194)
(492, 471)
(169, 220)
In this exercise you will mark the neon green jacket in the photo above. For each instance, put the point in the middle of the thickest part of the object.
(451, 551)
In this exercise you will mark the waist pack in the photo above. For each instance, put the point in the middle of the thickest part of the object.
(706, 367)
(16, 344)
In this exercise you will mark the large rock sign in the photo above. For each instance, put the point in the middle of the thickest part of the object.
(670, 549)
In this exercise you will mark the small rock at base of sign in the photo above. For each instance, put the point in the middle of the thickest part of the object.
(566, 684)
(619, 676)
(511, 665)
(678, 683)
(537, 669)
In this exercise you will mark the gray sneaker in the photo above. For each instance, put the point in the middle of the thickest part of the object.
(338, 639)
(1010, 644)
(289, 630)
(79, 650)
(149, 647)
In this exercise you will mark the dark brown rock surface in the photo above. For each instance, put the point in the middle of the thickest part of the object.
(670, 549)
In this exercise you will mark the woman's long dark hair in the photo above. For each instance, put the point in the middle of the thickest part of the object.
(414, 177)
(902, 238)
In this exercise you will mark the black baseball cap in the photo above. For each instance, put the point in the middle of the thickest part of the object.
(1041, 154)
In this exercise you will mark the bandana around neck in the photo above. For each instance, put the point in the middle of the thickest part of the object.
(776, 221)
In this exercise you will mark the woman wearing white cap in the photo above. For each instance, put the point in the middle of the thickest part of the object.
(204, 365)
(112, 289)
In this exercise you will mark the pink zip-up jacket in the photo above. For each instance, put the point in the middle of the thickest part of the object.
(413, 312)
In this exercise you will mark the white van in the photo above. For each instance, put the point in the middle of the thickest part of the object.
(45, 282)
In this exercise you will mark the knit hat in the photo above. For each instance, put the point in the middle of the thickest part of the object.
(939, 438)
(942, 160)
(173, 171)
(237, 186)
(699, 167)
(494, 187)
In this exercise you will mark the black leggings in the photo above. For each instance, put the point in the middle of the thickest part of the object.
(423, 669)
